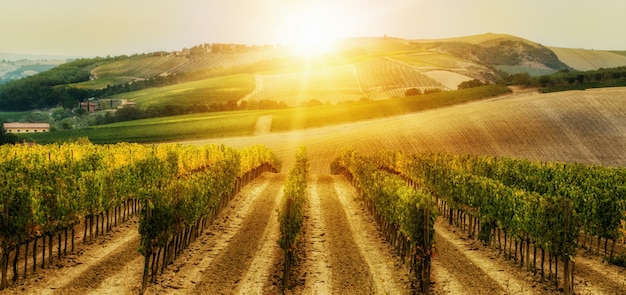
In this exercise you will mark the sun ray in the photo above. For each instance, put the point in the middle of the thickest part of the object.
(312, 31)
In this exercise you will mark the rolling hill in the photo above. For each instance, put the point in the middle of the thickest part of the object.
(575, 126)
(585, 59)
(363, 68)
(581, 126)
(360, 69)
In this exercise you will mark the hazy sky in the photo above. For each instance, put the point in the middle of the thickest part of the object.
(113, 27)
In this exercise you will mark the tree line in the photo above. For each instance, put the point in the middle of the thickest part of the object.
(570, 80)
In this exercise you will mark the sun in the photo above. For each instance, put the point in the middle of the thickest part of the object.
(312, 40)
(311, 31)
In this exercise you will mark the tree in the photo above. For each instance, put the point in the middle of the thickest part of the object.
(521, 79)
(6, 138)
(413, 92)
(128, 113)
(545, 80)
(470, 84)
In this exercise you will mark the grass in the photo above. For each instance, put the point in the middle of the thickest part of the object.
(205, 92)
(138, 67)
(300, 118)
(619, 260)
(13, 116)
(175, 128)
(101, 83)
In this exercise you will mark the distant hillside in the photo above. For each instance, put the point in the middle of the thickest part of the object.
(360, 69)
(586, 60)
(20, 68)
(578, 126)
(504, 52)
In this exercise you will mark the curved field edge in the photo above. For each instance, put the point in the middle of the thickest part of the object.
(242, 123)
(575, 126)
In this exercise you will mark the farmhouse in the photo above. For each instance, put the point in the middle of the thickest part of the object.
(89, 106)
(26, 127)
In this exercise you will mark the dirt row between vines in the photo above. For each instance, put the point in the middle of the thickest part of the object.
(343, 253)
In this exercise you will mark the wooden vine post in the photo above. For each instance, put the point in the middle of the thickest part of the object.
(4, 251)
(147, 254)
(288, 249)
(568, 281)
(427, 250)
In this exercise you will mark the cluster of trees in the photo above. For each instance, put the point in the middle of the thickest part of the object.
(570, 80)
(42, 91)
(6, 138)
(417, 91)
(470, 84)
(207, 48)
(464, 85)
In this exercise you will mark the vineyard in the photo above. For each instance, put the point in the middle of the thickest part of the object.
(538, 216)
(544, 205)
(331, 85)
(49, 190)
(207, 221)
(345, 83)
(145, 67)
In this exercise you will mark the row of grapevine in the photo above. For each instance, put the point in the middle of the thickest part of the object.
(380, 74)
(291, 216)
(404, 212)
(48, 190)
(598, 193)
(178, 202)
(546, 221)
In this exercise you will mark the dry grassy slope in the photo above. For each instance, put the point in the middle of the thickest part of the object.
(585, 60)
(580, 126)
(473, 39)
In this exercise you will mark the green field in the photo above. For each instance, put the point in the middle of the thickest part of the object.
(175, 128)
(102, 83)
(202, 92)
(300, 118)
(240, 123)
(13, 116)
(137, 67)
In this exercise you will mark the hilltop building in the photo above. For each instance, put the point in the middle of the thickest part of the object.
(26, 127)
